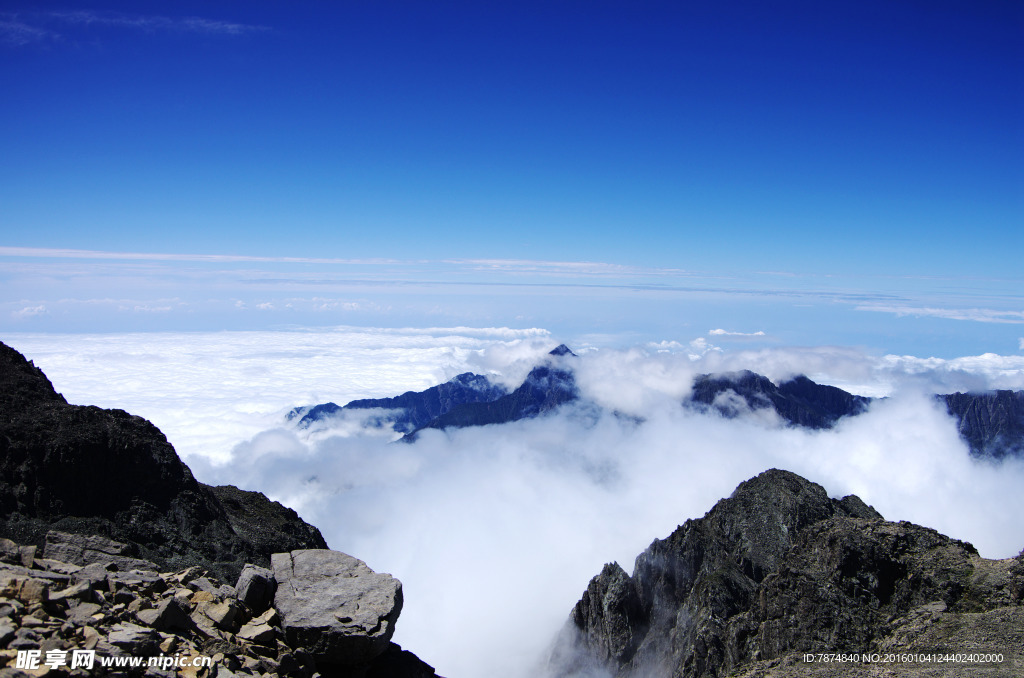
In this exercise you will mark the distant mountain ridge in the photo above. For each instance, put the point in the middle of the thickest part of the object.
(799, 401)
(466, 400)
(413, 410)
(991, 423)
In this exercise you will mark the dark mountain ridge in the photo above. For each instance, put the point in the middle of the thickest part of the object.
(799, 401)
(992, 423)
(87, 470)
(412, 410)
(545, 388)
(466, 400)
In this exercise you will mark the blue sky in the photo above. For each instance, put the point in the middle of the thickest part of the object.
(747, 161)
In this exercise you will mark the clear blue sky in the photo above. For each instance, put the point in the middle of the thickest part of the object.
(718, 138)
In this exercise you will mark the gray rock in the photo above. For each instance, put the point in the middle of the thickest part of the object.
(171, 613)
(225, 616)
(256, 632)
(93, 572)
(131, 639)
(335, 606)
(7, 630)
(203, 584)
(25, 639)
(82, 613)
(255, 587)
(11, 553)
(80, 591)
(82, 550)
(27, 589)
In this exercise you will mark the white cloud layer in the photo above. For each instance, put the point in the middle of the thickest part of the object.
(727, 333)
(495, 531)
(982, 315)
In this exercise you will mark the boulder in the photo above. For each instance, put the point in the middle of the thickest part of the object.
(171, 613)
(335, 606)
(256, 587)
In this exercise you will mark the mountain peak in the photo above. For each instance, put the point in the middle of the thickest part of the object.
(562, 349)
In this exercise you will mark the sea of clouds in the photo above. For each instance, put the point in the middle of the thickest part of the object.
(495, 531)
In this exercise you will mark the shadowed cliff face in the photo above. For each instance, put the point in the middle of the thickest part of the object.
(776, 568)
(992, 424)
(94, 471)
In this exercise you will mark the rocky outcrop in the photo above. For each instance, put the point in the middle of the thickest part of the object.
(776, 570)
(58, 609)
(80, 549)
(86, 470)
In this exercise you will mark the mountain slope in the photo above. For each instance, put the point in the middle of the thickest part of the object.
(89, 470)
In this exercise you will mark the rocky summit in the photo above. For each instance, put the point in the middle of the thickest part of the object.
(98, 614)
(778, 578)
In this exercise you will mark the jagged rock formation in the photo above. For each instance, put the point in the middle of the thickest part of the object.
(799, 401)
(779, 569)
(57, 609)
(88, 470)
(992, 424)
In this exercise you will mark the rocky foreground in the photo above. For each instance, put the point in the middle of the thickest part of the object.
(780, 580)
(85, 606)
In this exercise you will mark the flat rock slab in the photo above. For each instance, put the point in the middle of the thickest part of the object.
(335, 606)
(80, 549)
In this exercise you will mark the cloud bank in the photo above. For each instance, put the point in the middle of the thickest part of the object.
(495, 531)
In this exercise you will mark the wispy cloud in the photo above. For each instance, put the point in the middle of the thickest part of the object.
(981, 315)
(15, 33)
(576, 268)
(30, 311)
(155, 23)
(17, 30)
(727, 333)
(61, 253)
